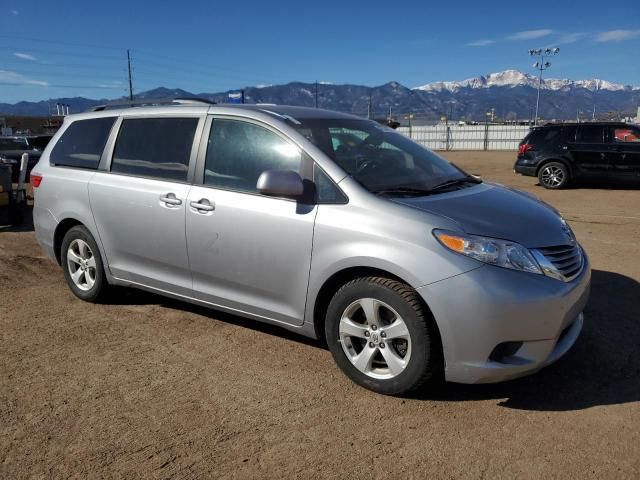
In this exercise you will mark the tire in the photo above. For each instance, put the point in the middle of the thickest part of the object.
(82, 265)
(553, 175)
(362, 344)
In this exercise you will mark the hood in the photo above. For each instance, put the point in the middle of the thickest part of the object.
(495, 211)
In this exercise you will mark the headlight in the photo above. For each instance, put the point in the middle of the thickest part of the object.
(500, 253)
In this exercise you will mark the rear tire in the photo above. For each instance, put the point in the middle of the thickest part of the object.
(82, 265)
(553, 175)
(382, 337)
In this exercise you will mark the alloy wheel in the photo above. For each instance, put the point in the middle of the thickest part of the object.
(81, 264)
(375, 338)
(552, 176)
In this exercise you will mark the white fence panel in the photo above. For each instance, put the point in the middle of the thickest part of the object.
(467, 137)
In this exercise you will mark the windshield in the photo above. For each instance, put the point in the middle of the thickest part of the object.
(378, 157)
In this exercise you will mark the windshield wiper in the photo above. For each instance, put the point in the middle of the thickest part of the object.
(402, 191)
(455, 181)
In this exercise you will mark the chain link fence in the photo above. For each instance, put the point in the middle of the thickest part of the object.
(467, 137)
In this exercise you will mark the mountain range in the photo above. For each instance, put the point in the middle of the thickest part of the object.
(511, 95)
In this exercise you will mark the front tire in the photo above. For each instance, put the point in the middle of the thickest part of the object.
(82, 265)
(382, 337)
(553, 175)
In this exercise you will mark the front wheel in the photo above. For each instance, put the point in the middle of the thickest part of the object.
(382, 337)
(553, 175)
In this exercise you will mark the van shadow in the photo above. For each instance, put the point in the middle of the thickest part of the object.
(603, 367)
(132, 296)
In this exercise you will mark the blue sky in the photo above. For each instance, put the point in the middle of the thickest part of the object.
(65, 48)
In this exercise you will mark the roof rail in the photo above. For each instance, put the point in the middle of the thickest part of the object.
(147, 102)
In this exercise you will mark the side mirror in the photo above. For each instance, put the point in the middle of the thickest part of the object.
(280, 183)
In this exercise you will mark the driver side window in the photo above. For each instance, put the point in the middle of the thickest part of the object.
(238, 152)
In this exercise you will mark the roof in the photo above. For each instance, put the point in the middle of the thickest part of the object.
(575, 124)
(194, 105)
(287, 110)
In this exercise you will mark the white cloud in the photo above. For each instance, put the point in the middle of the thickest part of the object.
(8, 76)
(617, 35)
(481, 43)
(569, 38)
(15, 12)
(530, 34)
(25, 56)
(111, 84)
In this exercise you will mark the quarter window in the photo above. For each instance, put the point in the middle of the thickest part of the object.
(238, 152)
(82, 143)
(326, 190)
(155, 147)
(624, 135)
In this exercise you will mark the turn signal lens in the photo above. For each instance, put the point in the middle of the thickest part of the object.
(454, 243)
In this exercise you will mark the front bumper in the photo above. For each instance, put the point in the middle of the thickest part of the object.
(486, 307)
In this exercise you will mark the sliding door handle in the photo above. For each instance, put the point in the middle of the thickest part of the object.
(203, 205)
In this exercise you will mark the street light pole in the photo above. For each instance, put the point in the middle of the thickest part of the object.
(541, 66)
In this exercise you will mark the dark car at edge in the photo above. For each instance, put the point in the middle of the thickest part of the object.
(12, 148)
(560, 153)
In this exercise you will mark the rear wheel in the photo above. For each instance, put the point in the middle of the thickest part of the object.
(553, 175)
(381, 336)
(82, 265)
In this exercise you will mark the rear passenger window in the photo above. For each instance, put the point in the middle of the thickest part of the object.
(82, 143)
(155, 147)
(544, 135)
(590, 134)
(238, 152)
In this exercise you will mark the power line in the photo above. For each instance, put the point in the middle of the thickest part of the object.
(58, 42)
(74, 74)
(58, 53)
(95, 87)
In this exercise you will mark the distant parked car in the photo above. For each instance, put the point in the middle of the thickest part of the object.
(12, 148)
(560, 153)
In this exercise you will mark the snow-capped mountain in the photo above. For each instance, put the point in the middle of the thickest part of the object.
(510, 94)
(516, 78)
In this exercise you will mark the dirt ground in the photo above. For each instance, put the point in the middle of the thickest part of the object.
(147, 387)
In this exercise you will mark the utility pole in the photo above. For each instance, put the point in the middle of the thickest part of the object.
(595, 94)
(542, 66)
(369, 108)
(129, 68)
(316, 94)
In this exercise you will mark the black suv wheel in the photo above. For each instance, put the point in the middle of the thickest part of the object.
(553, 175)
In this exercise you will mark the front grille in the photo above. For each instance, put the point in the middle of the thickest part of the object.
(566, 260)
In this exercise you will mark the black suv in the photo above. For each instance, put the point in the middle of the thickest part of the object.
(558, 153)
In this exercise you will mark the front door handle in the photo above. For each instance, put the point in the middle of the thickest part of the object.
(203, 205)
(170, 199)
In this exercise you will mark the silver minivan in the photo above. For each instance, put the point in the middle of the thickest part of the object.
(324, 223)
